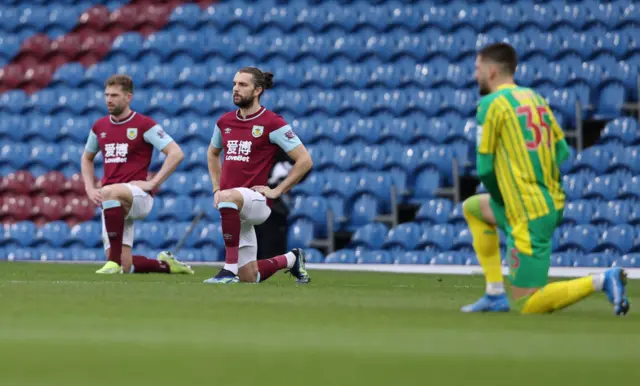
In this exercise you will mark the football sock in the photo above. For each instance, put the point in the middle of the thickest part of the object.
(114, 223)
(558, 295)
(486, 244)
(231, 233)
(143, 264)
(266, 268)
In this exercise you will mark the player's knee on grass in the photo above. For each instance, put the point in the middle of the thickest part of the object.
(248, 273)
(232, 196)
(120, 193)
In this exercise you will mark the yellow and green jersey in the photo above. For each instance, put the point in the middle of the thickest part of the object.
(520, 147)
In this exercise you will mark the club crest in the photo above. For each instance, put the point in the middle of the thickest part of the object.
(257, 131)
(132, 133)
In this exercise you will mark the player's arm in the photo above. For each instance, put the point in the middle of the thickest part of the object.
(87, 168)
(213, 158)
(487, 136)
(286, 139)
(164, 143)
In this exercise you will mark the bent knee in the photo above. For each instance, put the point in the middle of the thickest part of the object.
(232, 196)
(118, 192)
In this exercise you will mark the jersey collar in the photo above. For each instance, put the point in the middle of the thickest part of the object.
(252, 116)
(122, 122)
(506, 86)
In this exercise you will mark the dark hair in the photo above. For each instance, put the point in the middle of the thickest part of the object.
(260, 79)
(121, 80)
(502, 54)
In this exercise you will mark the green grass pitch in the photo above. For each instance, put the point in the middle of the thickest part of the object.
(63, 325)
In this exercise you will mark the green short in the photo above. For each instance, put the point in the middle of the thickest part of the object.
(528, 271)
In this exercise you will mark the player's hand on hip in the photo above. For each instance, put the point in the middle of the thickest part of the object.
(266, 191)
(95, 195)
(146, 186)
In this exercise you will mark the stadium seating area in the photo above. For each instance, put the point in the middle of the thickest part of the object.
(383, 95)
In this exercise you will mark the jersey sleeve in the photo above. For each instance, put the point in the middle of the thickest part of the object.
(556, 130)
(283, 135)
(92, 143)
(488, 117)
(157, 137)
(216, 138)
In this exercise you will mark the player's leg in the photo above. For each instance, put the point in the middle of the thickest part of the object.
(484, 217)
(529, 274)
(117, 201)
(231, 204)
(252, 271)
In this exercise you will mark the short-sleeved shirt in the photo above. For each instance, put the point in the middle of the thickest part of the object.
(250, 145)
(126, 146)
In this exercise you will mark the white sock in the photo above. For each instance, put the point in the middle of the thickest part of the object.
(231, 267)
(291, 259)
(495, 288)
(598, 282)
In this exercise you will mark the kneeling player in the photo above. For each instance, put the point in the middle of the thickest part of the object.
(251, 136)
(520, 147)
(127, 140)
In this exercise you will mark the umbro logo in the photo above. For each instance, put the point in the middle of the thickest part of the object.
(227, 130)
(103, 135)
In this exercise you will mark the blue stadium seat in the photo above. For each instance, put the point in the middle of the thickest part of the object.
(630, 189)
(405, 236)
(463, 241)
(577, 212)
(448, 258)
(426, 184)
(19, 234)
(314, 256)
(343, 256)
(47, 156)
(53, 234)
(604, 187)
(300, 234)
(618, 239)
(611, 99)
(413, 257)
(439, 237)
(435, 211)
(562, 259)
(23, 254)
(87, 234)
(16, 155)
(177, 208)
(370, 236)
(209, 236)
(373, 257)
(150, 234)
(54, 254)
(581, 238)
(631, 260)
(365, 209)
(595, 260)
(611, 213)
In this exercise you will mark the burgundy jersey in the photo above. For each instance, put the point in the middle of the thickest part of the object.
(250, 146)
(127, 146)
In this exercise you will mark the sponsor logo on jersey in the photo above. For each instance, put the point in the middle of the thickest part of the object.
(257, 131)
(132, 133)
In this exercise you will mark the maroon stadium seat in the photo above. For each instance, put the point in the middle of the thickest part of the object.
(67, 45)
(15, 209)
(51, 183)
(20, 182)
(46, 209)
(75, 184)
(125, 17)
(37, 77)
(95, 18)
(37, 45)
(153, 17)
(94, 48)
(78, 209)
(11, 76)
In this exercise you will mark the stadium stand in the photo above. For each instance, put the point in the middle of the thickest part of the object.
(381, 92)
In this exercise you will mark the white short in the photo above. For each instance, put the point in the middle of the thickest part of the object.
(140, 208)
(254, 211)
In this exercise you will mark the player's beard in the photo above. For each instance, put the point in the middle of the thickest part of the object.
(244, 102)
(484, 88)
(116, 110)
